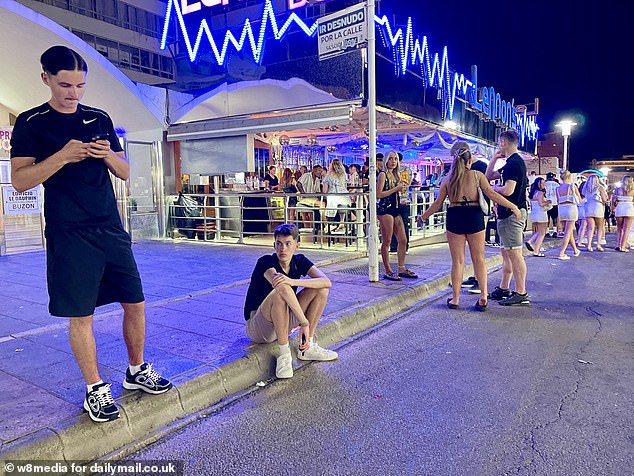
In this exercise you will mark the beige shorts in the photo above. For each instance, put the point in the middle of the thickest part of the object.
(262, 331)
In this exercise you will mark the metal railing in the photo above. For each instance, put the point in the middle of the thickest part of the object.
(251, 217)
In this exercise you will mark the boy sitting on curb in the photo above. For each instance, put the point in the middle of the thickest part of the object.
(272, 307)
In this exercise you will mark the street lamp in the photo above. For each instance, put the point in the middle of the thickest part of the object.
(566, 129)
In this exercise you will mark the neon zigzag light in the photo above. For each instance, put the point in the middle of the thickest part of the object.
(406, 51)
(268, 17)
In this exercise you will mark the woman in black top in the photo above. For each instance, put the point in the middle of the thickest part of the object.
(465, 219)
(387, 190)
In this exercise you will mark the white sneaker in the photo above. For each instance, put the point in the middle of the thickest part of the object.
(284, 367)
(316, 352)
(603, 242)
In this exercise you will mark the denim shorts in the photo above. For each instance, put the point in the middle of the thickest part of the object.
(511, 231)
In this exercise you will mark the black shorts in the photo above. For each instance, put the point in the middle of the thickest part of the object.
(90, 267)
(465, 220)
(393, 211)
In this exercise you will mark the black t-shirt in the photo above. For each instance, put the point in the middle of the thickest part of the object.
(260, 287)
(79, 194)
(514, 169)
(273, 180)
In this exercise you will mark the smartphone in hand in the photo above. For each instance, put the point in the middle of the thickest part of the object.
(99, 136)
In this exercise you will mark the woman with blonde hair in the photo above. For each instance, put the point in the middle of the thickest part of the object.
(596, 197)
(623, 198)
(336, 181)
(465, 219)
(567, 198)
(389, 215)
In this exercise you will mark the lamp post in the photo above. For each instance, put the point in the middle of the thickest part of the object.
(566, 129)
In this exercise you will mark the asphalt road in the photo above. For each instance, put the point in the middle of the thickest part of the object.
(539, 390)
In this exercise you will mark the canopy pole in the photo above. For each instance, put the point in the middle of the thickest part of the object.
(373, 232)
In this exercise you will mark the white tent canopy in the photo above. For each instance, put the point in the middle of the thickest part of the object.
(25, 35)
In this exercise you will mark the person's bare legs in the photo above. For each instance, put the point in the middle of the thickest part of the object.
(625, 232)
(82, 342)
(134, 331)
(275, 310)
(507, 270)
(518, 270)
(313, 302)
(568, 238)
(387, 227)
(401, 241)
(591, 228)
(456, 248)
(600, 232)
(619, 230)
(541, 234)
(476, 250)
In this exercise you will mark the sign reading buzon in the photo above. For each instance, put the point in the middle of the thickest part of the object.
(20, 203)
(342, 32)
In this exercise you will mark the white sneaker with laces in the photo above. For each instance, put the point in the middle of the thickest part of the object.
(284, 367)
(316, 352)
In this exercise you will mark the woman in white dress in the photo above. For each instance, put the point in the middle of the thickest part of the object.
(623, 198)
(596, 197)
(567, 198)
(539, 206)
(336, 181)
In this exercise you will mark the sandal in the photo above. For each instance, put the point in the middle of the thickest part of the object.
(480, 307)
(578, 252)
(564, 257)
(451, 306)
(408, 273)
(391, 277)
(528, 245)
(600, 248)
(539, 255)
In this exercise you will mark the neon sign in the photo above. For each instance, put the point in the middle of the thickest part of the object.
(406, 50)
(187, 7)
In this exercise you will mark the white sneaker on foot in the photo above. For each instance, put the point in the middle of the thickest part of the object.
(316, 352)
(284, 367)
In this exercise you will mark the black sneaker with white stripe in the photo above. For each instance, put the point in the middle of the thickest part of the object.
(100, 405)
(146, 379)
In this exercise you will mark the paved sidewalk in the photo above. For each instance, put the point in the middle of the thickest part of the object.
(195, 336)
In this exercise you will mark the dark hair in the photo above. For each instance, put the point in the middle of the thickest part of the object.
(535, 187)
(400, 156)
(510, 135)
(379, 155)
(58, 58)
(287, 230)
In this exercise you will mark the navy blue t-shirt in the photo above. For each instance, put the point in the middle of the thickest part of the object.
(80, 194)
(514, 169)
(260, 287)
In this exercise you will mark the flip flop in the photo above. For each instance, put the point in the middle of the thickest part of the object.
(392, 277)
(479, 307)
(578, 252)
(529, 247)
(539, 255)
(564, 257)
(451, 306)
(408, 274)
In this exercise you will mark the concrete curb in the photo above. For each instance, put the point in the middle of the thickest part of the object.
(145, 417)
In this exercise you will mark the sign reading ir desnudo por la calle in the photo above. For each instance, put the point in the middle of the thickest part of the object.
(342, 32)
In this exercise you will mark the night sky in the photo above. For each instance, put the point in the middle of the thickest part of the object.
(575, 59)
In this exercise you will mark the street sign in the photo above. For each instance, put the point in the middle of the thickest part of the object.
(342, 32)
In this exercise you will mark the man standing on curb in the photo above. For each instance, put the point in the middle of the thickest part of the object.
(69, 148)
(511, 230)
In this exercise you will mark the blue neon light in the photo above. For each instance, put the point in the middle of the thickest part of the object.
(407, 51)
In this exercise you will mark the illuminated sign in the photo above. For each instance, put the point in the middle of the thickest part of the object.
(187, 6)
(407, 51)
(342, 32)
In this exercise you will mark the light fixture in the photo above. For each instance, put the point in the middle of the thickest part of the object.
(566, 129)
(451, 125)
